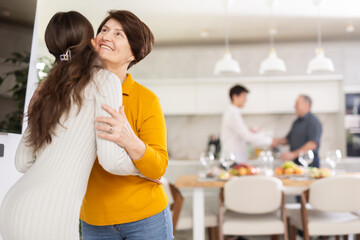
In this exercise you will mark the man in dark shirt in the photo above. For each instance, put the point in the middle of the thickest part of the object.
(304, 134)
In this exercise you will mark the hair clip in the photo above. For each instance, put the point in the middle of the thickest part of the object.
(66, 56)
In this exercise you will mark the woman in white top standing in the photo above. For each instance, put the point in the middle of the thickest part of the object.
(58, 149)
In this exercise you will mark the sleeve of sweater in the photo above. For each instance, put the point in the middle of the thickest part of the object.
(153, 133)
(242, 130)
(24, 157)
(112, 157)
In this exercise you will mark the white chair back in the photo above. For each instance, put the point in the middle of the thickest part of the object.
(336, 194)
(253, 194)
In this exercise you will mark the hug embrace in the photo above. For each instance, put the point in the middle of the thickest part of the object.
(95, 145)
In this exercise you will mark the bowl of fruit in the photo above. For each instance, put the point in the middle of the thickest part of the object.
(289, 168)
(241, 169)
(319, 172)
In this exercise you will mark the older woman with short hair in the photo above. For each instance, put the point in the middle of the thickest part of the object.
(128, 207)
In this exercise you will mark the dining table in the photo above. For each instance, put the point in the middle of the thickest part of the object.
(291, 186)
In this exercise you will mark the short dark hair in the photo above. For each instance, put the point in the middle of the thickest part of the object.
(139, 35)
(237, 89)
(307, 99)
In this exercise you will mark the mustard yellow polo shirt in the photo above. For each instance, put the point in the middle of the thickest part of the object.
(112, 199)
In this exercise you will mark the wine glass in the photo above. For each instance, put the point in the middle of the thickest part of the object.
(333, 157)
(266, 160)
(206, 160)
(306, 158)
(269, 163)
(263, 160)
(227, 160)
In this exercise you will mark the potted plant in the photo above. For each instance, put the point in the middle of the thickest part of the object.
(13, 121)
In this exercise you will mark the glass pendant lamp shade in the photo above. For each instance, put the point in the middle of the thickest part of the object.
(227, 64)
(272, 63)
(320, 63)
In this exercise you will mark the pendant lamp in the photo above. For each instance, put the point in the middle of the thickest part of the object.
(272, 63)
(227, 65)
(320, 63)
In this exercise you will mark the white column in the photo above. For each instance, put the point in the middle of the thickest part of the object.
(198, 214)
(32, 81)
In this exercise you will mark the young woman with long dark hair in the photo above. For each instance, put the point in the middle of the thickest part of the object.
(59, 147)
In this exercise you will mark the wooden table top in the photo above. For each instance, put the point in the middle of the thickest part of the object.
(192, 181)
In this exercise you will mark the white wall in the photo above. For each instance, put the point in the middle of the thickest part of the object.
(199, 61)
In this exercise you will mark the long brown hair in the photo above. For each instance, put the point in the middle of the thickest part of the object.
(66, 80)
(139, 35)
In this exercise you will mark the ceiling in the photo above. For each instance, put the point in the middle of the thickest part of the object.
(177, 22)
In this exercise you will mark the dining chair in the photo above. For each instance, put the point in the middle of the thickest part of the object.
(328, 208)
(175, 201)
(181, 210)
(210, 219)
(252, 205)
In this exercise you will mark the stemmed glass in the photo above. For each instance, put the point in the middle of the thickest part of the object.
(306, 158)
(263, 160)
(206, 160)
(227, 160)
(269, 163)
(333, 157)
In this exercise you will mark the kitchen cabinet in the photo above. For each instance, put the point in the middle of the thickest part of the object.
(175, 99)
(268, 95)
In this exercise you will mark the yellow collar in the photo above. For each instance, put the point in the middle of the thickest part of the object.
(128, 85)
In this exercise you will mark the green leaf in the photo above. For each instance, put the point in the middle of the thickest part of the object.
(13, 121)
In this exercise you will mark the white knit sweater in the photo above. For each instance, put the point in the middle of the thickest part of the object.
(44, 204)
